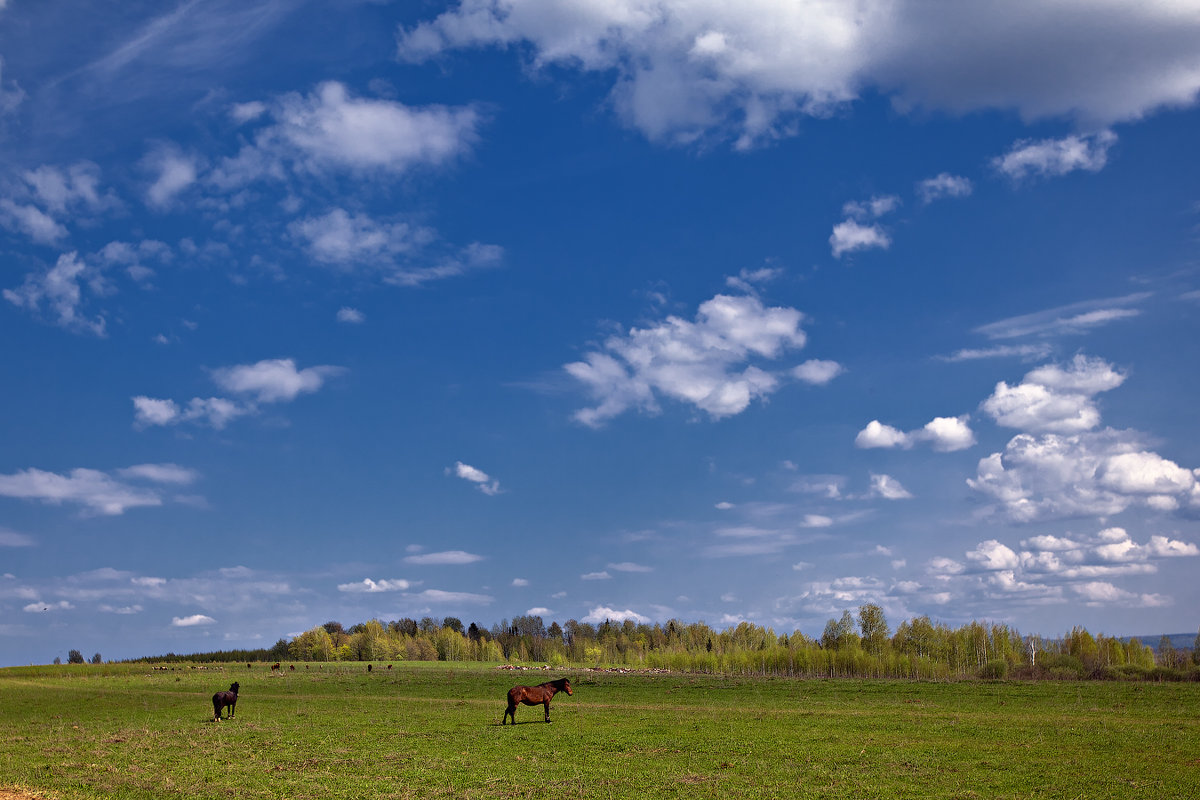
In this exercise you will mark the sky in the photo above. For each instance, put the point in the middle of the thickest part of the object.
(649, 310)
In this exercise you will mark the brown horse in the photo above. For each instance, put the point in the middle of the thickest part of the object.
(222, 699)
(534, 695)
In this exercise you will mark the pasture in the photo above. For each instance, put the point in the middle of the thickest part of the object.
(433, 730)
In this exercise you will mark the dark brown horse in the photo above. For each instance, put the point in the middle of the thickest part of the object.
(222, 699)
(534, 695)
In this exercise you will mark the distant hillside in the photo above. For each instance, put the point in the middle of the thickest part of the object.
(1180, 641)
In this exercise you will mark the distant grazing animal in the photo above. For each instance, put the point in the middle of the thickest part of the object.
(222, 699)
(368, 667)
(275, 666)
(534, 695)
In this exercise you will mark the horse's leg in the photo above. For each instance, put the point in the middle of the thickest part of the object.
(547, 704)
(232, 708)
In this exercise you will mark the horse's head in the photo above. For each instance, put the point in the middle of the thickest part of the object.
(566, 684)
(233, 687)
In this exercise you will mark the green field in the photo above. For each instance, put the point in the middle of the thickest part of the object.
(432, 730)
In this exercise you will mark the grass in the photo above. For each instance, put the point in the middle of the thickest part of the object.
(432, 730)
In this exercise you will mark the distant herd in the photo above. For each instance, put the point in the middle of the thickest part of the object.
(539, 695)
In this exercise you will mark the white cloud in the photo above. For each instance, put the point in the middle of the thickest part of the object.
(481, 479)
(629, 566)
(268, 381)
(60, 289)
(992, 555)
(332, 130)
(850, 235)
(1025, 352)
(1054, 399)
(98, 492)
(888, 488)
(161, 473)
(461, 598)
(74, 188)
(876, 207)
(192, 621)
(682, 69)
(1094, 474)
(595, 576)
(10, 538)
(351, 316)
(943, 185)
(342, 238)
(31, 221)
(520, 582)
(702, 362)
(601, 614)
(1055, 157)
(817, 372)
(273, 380)
(1075, 318)
(943, 434)
(368, 586)
(1099, 593)
(450, 557)
(172, 172)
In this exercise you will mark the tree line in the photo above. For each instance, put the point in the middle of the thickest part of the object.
(855, 645)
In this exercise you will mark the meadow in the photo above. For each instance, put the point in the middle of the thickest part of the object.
(433, 730)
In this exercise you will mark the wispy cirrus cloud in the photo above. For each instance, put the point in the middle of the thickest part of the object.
(1075, 318)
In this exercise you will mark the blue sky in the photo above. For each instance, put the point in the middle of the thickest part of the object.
(646, 310)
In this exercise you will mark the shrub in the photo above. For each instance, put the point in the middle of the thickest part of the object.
(994, 670)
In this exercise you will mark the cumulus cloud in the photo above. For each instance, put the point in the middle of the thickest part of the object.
(601, 614)
(273, 380)
(701, 362)
(331, 130)
(818, 372)
(192, 621)
(171, 172)
(351, 316)
(681, 70)
(368, 586)
(1094, 474)
(943, 185)
(1053, 398)
(59, 290)
(850, 235)
(96, 491)
(942, 434)
(887, 488)
(1055, 157)
(31, 221)
(1046, 566)
(268, 381)
(484, 482)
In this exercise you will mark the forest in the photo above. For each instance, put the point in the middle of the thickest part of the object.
(858, 645)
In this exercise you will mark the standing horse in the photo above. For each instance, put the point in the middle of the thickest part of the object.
(534, 695)
(222, 699)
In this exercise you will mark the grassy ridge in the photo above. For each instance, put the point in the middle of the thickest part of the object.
(433, 731)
